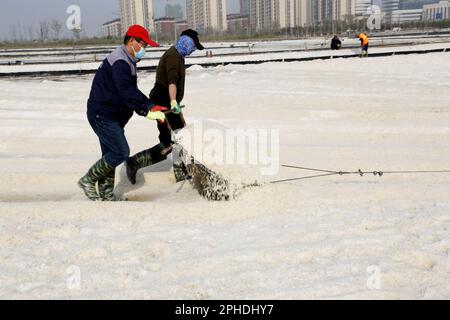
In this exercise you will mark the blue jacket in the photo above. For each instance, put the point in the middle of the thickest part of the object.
(114, 92)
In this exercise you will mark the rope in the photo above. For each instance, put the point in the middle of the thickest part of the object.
(359, 172)
(304, 168)
(303, 178)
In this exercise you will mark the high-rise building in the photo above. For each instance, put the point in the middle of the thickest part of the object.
(415, 4)
(361, 6)
(333, 10)
(137, 12)
(112, 29)
(243, 7)
(174, 11)
(292, 13)
(299, 13)
(278, 14)
(260, 14)
(437, 11)
(408, 15)
(237, 23)
(180, 26)
(345, 8)
(165, 27)
(387, 7)
(207, 15)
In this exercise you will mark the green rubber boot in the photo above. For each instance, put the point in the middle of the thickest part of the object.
(100, 170)
(179, 168)
(105, 187)
(180, 172)
(144, 159)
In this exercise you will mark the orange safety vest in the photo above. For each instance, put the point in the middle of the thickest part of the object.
(364, 39)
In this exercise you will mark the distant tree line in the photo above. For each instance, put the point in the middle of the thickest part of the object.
(46, 31)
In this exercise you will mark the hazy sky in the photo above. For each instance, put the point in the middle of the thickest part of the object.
(20, 15)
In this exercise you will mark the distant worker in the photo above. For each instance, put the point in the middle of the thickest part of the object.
(364, 44)
(336, 43)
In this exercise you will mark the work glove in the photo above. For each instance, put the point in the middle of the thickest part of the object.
(156, 113)
(175, 107)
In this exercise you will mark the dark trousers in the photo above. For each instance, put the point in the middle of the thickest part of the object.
(174, 122)
(113, 143)
(165, 136)
(160, 96)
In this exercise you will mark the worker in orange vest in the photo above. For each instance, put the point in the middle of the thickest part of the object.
(364, 44)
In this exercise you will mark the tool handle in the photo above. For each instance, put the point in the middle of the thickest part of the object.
(170, 111)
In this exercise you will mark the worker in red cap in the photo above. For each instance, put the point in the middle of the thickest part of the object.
(113, 99)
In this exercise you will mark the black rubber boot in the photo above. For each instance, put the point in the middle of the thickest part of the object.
(100, 170)
(106, 188)
(144, 159)
(132, 167)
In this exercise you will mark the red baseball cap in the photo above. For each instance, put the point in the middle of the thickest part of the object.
(140, 32)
